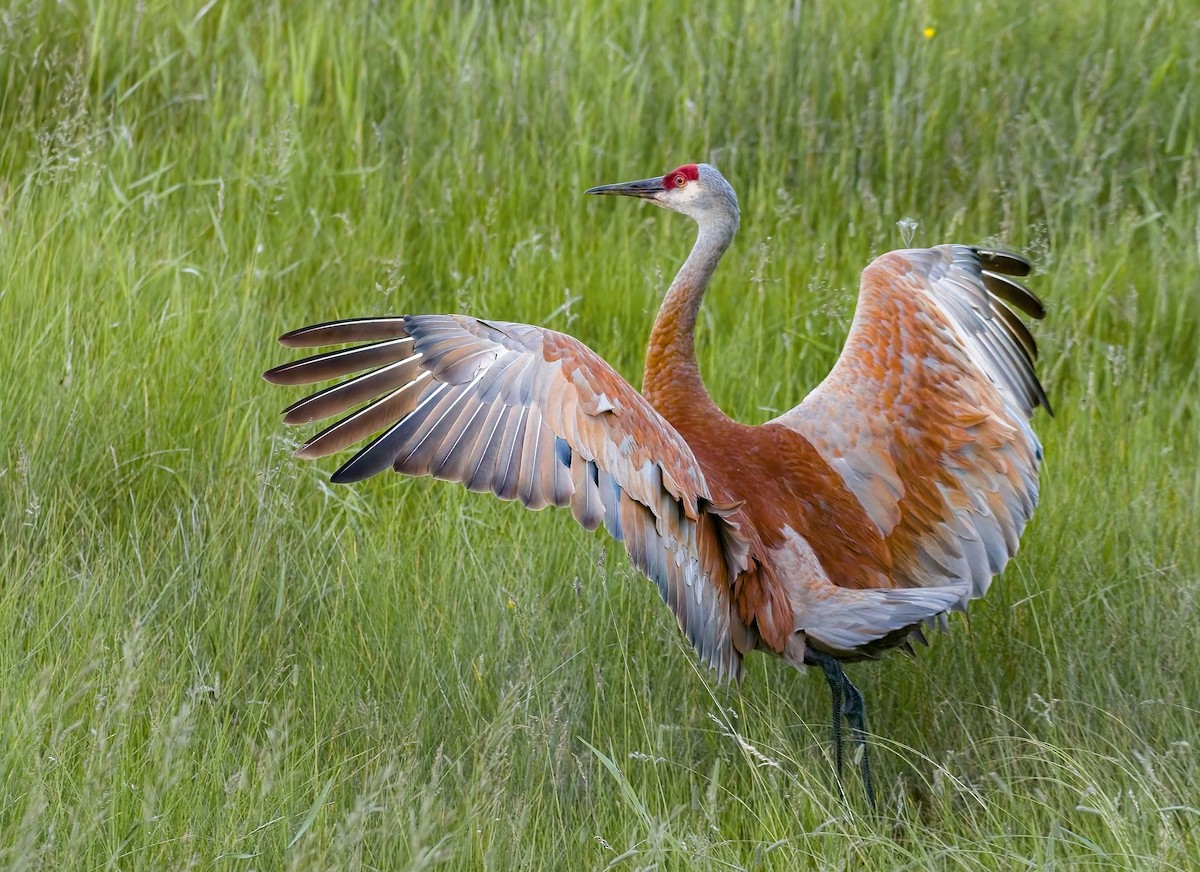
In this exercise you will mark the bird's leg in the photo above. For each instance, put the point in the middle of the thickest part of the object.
(837, 680)
(856, 716)
(848, 702)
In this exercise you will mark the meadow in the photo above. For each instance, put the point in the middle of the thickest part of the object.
(211, 658)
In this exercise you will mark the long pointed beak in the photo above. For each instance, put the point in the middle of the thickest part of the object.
(644, 188)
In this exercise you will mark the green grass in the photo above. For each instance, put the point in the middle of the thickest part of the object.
(210, 658)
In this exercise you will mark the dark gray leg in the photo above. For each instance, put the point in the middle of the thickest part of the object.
(847, 702)
(856, 716)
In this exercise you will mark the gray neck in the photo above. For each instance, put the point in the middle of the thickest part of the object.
(692, 279)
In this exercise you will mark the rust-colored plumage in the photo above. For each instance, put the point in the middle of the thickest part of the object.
(893, 493)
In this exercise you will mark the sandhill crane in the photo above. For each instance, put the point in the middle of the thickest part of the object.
(892, 494)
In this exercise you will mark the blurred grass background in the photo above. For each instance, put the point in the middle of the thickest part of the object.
(213, 659)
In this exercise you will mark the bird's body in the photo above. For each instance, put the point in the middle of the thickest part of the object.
(893, 493)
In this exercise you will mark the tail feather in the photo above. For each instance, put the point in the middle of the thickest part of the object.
(856, 622)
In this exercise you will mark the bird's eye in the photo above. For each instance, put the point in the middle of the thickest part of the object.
(680, 180)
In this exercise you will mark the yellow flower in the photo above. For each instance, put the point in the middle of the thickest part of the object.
(929, 32)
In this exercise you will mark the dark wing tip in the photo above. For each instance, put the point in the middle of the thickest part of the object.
(1015, 294)
(1017, 329)
(301, 338)
(278, 375)
(997, 266)
(346, 330)
(360, 467)
(1007, 262)
(344, 476)
(1045, 400)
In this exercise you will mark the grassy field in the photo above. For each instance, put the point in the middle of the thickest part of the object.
(211, 658)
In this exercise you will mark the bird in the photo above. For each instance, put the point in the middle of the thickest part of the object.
(890, 496)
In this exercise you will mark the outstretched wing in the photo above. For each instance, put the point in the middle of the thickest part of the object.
(926, 413)
(533, 415)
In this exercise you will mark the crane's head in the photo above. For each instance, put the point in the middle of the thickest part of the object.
(697, 190)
